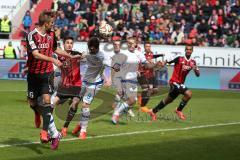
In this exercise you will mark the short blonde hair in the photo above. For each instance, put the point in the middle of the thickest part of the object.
(45, 17)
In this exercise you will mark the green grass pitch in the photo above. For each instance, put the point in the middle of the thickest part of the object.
(211, 132)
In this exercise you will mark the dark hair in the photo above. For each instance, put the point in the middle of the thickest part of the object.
(67, 38)
(146, 42)
(189, 45)
(93, 42)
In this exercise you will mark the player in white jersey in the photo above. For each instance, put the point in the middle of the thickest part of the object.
(92, 82)
(129, 63)
(116, 76)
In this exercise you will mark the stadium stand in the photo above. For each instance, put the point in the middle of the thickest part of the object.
(37, 7)
(199, 22)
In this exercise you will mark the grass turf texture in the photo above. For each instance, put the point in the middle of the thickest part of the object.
(206, 107)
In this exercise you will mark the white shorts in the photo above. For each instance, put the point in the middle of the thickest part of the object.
(130, 88)
(89, 90)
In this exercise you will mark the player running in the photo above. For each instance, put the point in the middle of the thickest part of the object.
(129, 66)
(182, 66)
(70, 84)
(146, 79)
(116, 76)
(92, 82)
(41, 44)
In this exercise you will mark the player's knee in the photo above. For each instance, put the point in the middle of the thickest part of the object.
(74, 106)
(76, 100)
(120, 93)
(131, 101)
(189, 94)
(85, 105)
(46, 99)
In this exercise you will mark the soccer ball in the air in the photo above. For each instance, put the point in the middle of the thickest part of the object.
(105, 30)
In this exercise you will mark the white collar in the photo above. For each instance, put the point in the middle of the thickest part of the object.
(40, 32)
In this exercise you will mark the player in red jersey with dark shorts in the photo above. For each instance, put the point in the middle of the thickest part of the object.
(41, 43)
(70, 84)
(183, 65)
(146, 79)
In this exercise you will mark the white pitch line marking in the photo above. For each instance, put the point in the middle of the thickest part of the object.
(131, 133)
(13, 91)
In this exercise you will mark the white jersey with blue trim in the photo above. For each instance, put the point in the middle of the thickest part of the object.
(95, 66)
(130, 66)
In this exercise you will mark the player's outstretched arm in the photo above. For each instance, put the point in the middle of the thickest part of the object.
(159, 64)
(158, 55)
(37, 55)
(63, 53)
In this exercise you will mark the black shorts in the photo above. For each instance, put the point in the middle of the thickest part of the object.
(39, 84)
(142, 80)
(176, 89)
(68, 92)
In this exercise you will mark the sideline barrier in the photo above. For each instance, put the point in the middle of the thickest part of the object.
(204, 56)
(210, 78)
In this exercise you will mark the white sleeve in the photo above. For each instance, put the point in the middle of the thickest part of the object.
(141, 57)
(107, 60)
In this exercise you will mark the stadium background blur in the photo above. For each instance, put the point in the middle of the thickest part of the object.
(212, 128)
(171, 22)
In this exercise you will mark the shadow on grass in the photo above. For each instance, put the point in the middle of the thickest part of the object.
(220, 148)
(34, 147)
(101, 109)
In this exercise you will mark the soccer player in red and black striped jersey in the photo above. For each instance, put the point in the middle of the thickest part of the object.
(70, 84)
(182, 66)
(41, 43)
(146, 78)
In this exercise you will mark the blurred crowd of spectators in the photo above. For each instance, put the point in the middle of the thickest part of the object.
(173, 22)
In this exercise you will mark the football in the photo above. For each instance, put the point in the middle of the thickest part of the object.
(105, 30)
